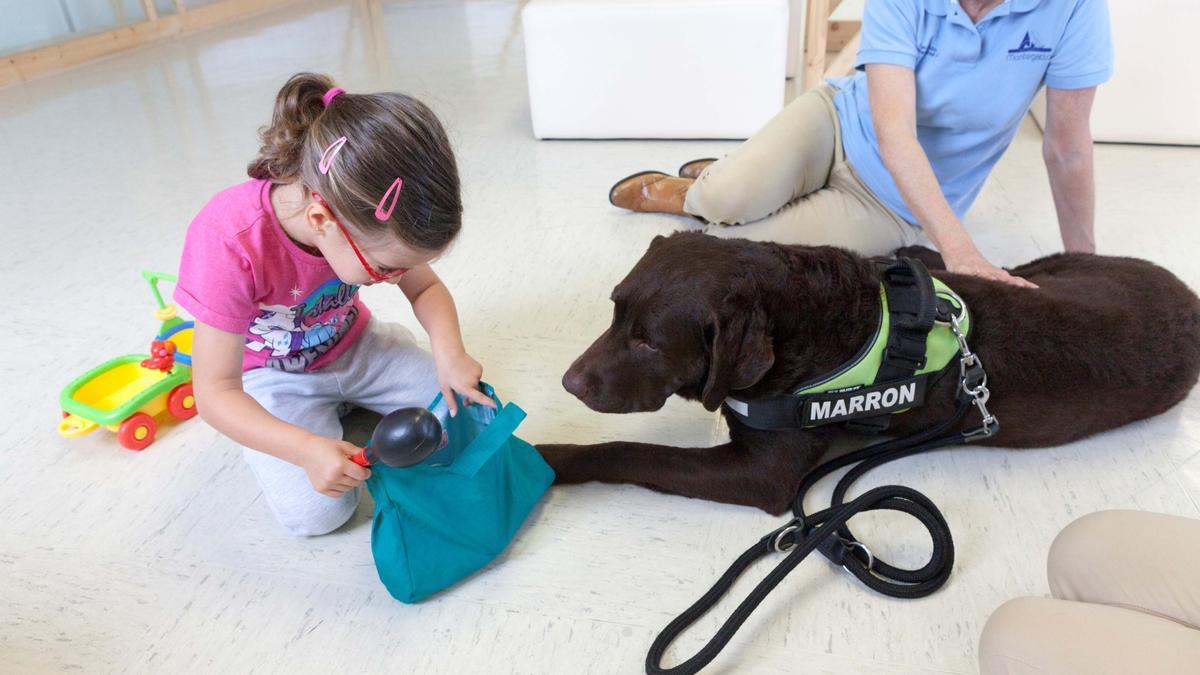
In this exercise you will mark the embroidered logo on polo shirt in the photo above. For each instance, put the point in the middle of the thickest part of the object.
(1029, 50)
(928, 50)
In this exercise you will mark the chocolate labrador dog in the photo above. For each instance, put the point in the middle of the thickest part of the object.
(1102, 342)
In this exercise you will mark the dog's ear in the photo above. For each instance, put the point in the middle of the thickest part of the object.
(740, 352)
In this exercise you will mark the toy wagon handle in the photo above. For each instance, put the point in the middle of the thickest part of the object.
(153, 278)
(73, 426)
(166, 313)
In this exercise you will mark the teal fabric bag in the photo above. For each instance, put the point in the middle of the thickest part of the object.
(441, 520)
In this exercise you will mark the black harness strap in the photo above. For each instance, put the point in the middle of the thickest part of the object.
(811, 410)
(913, 307)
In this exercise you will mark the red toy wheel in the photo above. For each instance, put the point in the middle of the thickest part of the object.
(137, 431)
(181, 402)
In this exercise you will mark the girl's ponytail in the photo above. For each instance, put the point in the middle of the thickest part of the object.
(297, 106)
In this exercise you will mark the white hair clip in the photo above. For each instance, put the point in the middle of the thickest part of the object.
(330, 153)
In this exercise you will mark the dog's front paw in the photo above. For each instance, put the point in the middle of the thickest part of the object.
(568, 461)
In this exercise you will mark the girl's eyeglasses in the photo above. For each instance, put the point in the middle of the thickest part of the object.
(371, 271)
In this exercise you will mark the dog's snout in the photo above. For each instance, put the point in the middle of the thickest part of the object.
(577, 382)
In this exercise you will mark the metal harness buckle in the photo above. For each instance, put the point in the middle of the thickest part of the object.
(972, 379)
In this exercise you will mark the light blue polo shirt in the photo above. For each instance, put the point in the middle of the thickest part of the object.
(974, 81)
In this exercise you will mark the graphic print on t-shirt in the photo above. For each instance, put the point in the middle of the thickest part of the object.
(297, 334)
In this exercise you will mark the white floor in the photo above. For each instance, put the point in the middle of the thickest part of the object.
(167, 560)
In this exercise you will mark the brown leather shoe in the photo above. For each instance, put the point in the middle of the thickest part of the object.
(694, 168)
(650, 192)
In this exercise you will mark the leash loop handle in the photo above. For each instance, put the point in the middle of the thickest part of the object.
(830, 521)
(818, 528)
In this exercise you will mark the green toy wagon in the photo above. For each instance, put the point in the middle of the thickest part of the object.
(127, 393)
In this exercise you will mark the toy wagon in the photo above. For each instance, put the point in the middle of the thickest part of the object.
(126, 394)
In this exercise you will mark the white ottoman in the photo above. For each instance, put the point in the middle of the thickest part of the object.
(654, 68)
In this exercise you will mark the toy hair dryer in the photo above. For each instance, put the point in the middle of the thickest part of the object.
(403, 438)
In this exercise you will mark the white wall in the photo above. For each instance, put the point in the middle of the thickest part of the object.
(1154, 94)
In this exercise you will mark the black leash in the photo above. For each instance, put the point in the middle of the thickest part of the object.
(826, 531)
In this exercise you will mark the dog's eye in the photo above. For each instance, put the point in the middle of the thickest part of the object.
(639, 343)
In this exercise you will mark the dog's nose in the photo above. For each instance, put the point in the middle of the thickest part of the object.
(576, 382)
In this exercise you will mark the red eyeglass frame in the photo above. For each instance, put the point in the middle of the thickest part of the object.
(375, 275)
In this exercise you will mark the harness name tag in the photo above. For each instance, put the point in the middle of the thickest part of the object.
(870, 401)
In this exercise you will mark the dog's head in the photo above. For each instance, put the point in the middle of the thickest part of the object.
(688, 319)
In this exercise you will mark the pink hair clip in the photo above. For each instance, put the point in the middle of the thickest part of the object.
(330, 153)
(394, 191)
(331, 94)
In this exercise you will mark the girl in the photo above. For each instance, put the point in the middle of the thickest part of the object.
(347, 190)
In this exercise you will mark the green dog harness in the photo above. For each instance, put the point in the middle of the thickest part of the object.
(913, 342)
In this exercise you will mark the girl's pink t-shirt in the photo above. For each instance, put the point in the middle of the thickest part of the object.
(241, 273)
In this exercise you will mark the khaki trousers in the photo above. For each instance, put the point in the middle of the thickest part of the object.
(790, 183)
(1126, 587)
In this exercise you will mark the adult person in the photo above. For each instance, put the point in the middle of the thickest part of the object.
(906, 144)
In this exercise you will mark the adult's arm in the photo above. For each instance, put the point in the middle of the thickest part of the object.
(893, 94)
(1067, 151)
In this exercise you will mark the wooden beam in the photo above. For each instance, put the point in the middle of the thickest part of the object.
(843, 63)
(816, 25)
(225, 11)
(841, 33)
(8, 74)
(151, 10)
(53, 58)
(33, 63)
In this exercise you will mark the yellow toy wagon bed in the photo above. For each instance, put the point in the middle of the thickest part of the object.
(125, 394)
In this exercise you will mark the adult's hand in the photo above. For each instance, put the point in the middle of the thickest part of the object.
(975, 264)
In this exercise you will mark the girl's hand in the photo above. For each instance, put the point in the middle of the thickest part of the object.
(458, 372)
(327, 463)
(976, 265)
